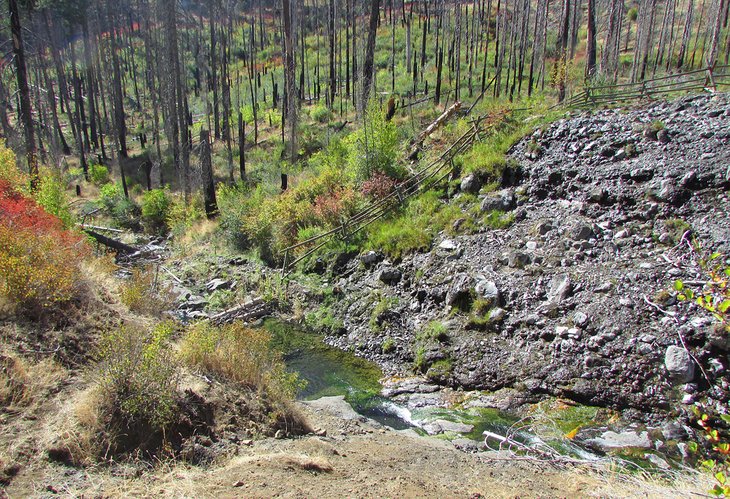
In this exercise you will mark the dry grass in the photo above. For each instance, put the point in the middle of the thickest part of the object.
(143, 292)
(682, 484)
(23, 383)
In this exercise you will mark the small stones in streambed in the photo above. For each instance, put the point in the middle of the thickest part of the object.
(442, 426)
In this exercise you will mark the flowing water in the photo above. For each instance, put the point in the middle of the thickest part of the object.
(329, 371)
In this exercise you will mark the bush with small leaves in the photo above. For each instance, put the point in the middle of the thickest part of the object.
(155, 210)
(39, 259)
(139, 378)
(714, 299)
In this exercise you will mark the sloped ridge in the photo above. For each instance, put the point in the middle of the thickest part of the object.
(574, 295)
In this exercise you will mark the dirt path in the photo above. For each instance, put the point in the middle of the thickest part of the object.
(350, 458)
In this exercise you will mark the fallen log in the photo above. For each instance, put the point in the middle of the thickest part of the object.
(248, 311)
(430, 129)
(112, 243)
(97, 227)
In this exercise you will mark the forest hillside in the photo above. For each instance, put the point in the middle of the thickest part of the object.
(336, 247)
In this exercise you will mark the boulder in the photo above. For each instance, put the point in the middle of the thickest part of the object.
(488, 290)
(560, 288)
(390, 275)
(518, 259)
(460, 290)
(471, 184)
(501, 201)
(611, 440)
(679, 364)
(581, 232)
(370, 258)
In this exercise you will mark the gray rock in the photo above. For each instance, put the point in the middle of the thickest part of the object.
(471, 184)
(488, 290)
(497, 314)
(580, 319)
(460, 289)
(673, 431)
(560, 288)
(610, 440)
(448, 245)
(663, 136)
(217, 284)
(679, 364)
(442, 426)
(371, 257)
(581, 232)
(543, 228)
(194, 303)
(390, 275)
(518, 260)
(502, 201)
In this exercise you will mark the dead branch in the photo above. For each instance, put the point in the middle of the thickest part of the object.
(430, 129)
(112, 243)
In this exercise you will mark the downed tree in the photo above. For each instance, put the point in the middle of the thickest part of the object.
(112, 243)
(248, 311)
(432, 128)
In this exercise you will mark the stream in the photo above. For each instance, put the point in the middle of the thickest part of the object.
(329, 371)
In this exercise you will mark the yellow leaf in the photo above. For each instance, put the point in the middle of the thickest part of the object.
(572, 433)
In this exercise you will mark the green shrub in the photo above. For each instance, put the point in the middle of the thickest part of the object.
(433, 335)
(323, 320)
(155, 210)
(433, 331)
(320, 113)
(52, 198)
(496, 219)
(98, 174)
(138, 375)
(374, 147)
(388, 345)
(415, 226)
(182, 215)
(383, 304)
(440, 370)
(123, 210)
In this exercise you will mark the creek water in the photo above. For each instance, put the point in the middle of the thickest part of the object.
(329, 371)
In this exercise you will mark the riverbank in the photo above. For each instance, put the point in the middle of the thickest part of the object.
(349, 457)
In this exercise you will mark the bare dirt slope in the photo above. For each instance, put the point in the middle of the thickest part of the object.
(350, 458)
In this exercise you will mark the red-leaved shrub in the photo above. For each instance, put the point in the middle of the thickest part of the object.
(378, 186)
(331, 208)
(39, 259)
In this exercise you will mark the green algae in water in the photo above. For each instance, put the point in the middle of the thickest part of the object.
(328, 371)
(482, 419)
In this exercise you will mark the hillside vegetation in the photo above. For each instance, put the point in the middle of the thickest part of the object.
(408, 180)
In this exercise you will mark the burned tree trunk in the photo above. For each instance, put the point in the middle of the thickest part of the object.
(206, 170)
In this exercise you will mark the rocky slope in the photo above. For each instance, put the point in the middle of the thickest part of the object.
(573, 295)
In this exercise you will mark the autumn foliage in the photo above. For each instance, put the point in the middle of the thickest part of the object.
(38, 258)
